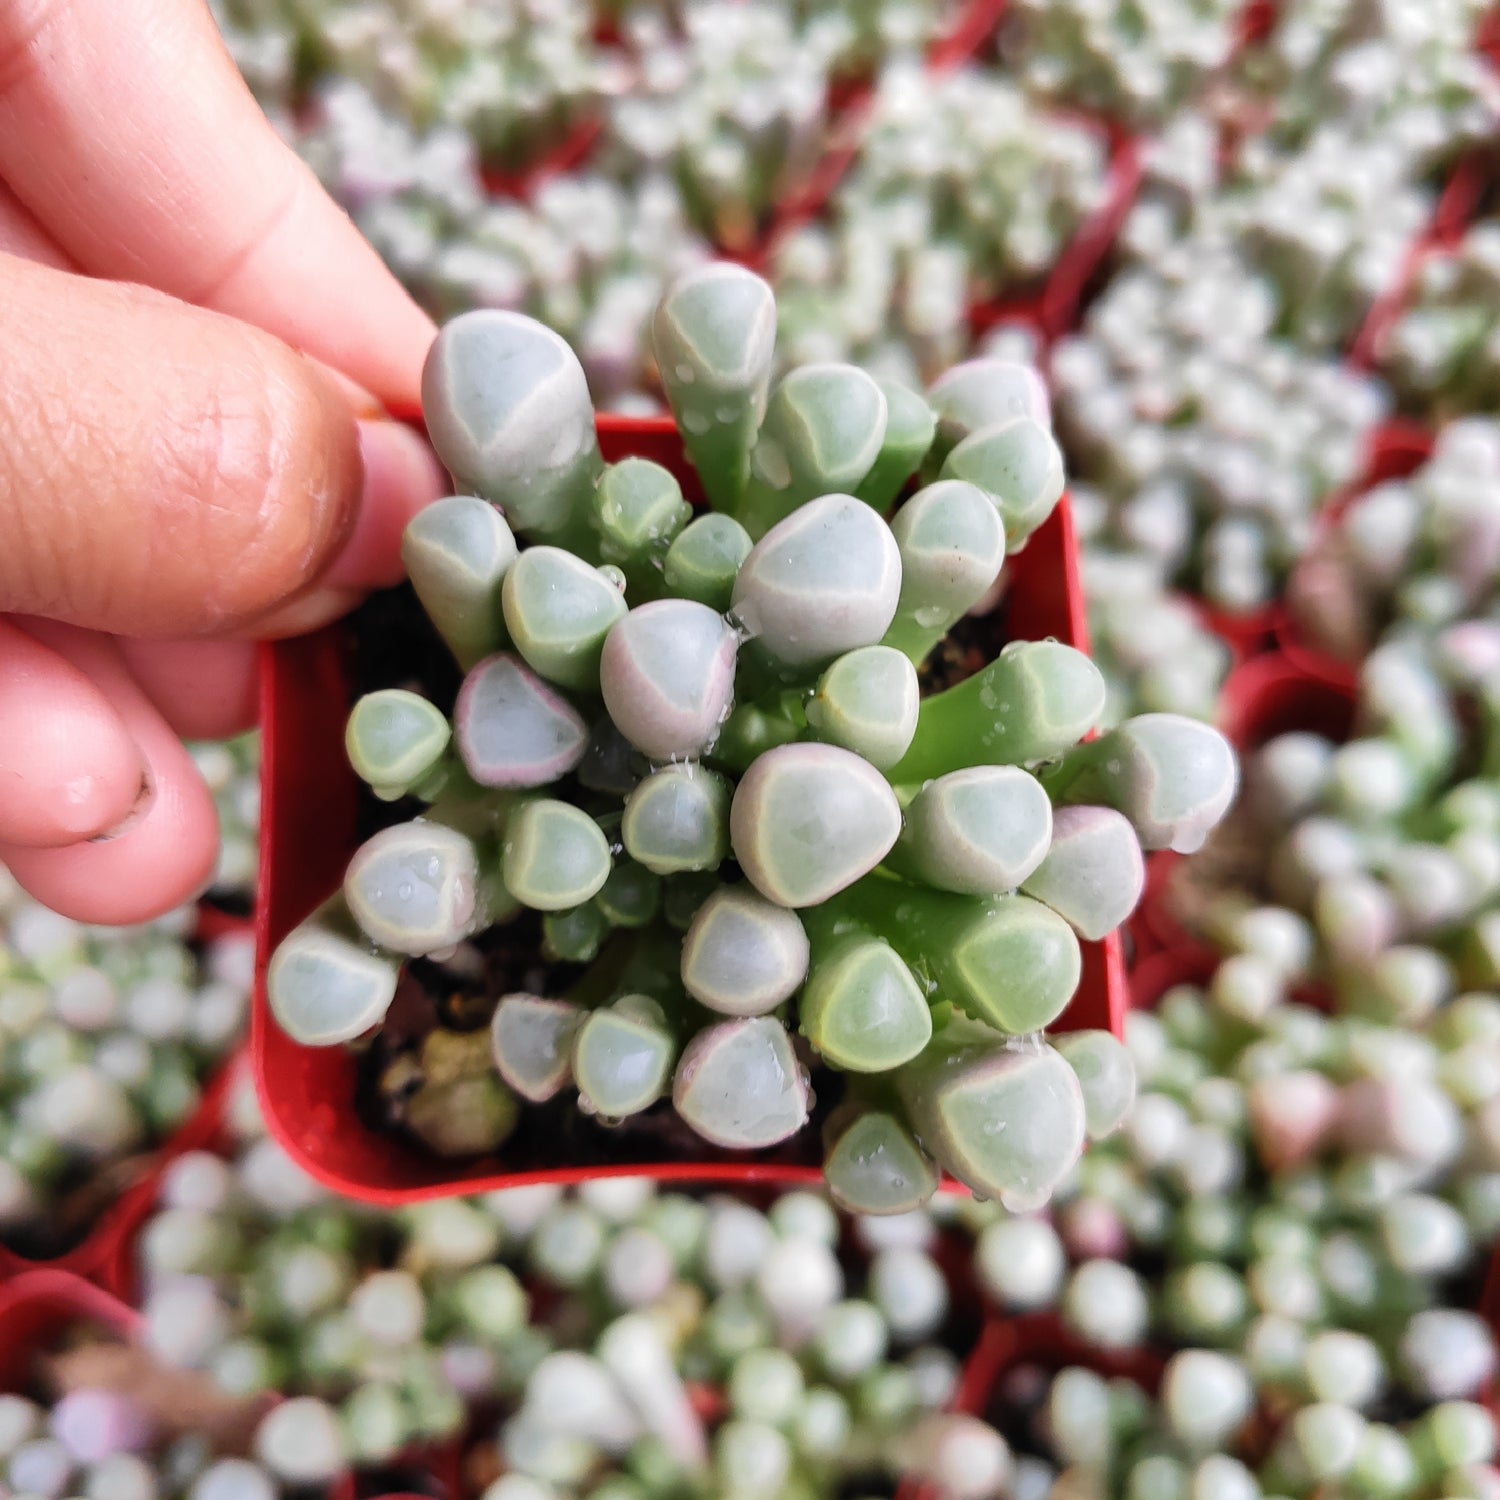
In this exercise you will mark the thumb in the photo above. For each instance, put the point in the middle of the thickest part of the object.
(167, 471)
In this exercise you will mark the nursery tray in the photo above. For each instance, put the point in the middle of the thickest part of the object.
(309, 804)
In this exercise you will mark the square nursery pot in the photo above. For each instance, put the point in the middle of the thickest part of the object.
(310, 808)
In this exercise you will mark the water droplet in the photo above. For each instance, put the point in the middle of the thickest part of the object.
(686, 376)
(696, 423)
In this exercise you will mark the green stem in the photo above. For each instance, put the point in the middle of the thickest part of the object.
(1035, 700)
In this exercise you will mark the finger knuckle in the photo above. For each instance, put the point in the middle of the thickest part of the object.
(270, 461)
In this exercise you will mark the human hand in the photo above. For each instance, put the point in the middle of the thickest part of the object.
(175, 480)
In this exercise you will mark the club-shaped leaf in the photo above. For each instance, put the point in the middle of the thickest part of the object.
(739, 1085)
(457, 552)
(325, 983)
(638, 510)
(576, 935)
(1094, 872)
(395, 740)
(743, 955)
(1008, 961)
(873, 1164)
(1173, 778)
(820, 583)
(678, 819)
(823, 431)
(508, 410)
(512, 730)
(622, 1057)
(558, 610)
(1106, 1075)
(531, 1040)
(861, 1008)
(1034, 701)
(713, 335)
(978, 832)
(667, 676)
(1007, 1124)
(909, 430)
(1019, 465)
(867, 701)
(983, 393)
(704, 560)
(554, 856)
(415, 888)
(952, 544)
(631, 896)
(808, 820)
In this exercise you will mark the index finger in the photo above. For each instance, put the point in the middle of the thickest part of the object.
(128, 134)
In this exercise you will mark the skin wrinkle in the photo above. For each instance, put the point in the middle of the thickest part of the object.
(239, 460)
(22, 30)
(219, 281)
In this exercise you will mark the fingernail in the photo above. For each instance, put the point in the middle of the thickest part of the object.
(362, 403)
(143, 801)
(402, 475)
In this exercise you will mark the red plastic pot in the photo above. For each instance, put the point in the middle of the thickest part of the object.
(851, 101)
(1055, 308)
(1036, 1339)
(1272, 695)
(38, 1307)
(1396, 450)
(307, 835)
(1451, 216)
(1264, 696)
(97, 1254)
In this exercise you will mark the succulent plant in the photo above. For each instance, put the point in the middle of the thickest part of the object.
(617, 764)
(1125, 64)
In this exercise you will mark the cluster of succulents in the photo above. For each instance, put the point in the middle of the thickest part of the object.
(731, 100)
(105, 1442)
(231, 771)
(510, 78)
(1442, 353)
(1212, 442)
(1089, 1434)
(701, 750)
(1408, 556)
(638, 1342)
(856, 39)
(1407, 74)
(1134, 60)
(1152, 645)
(961, 191)
(106, 1038)
(1329, 222)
